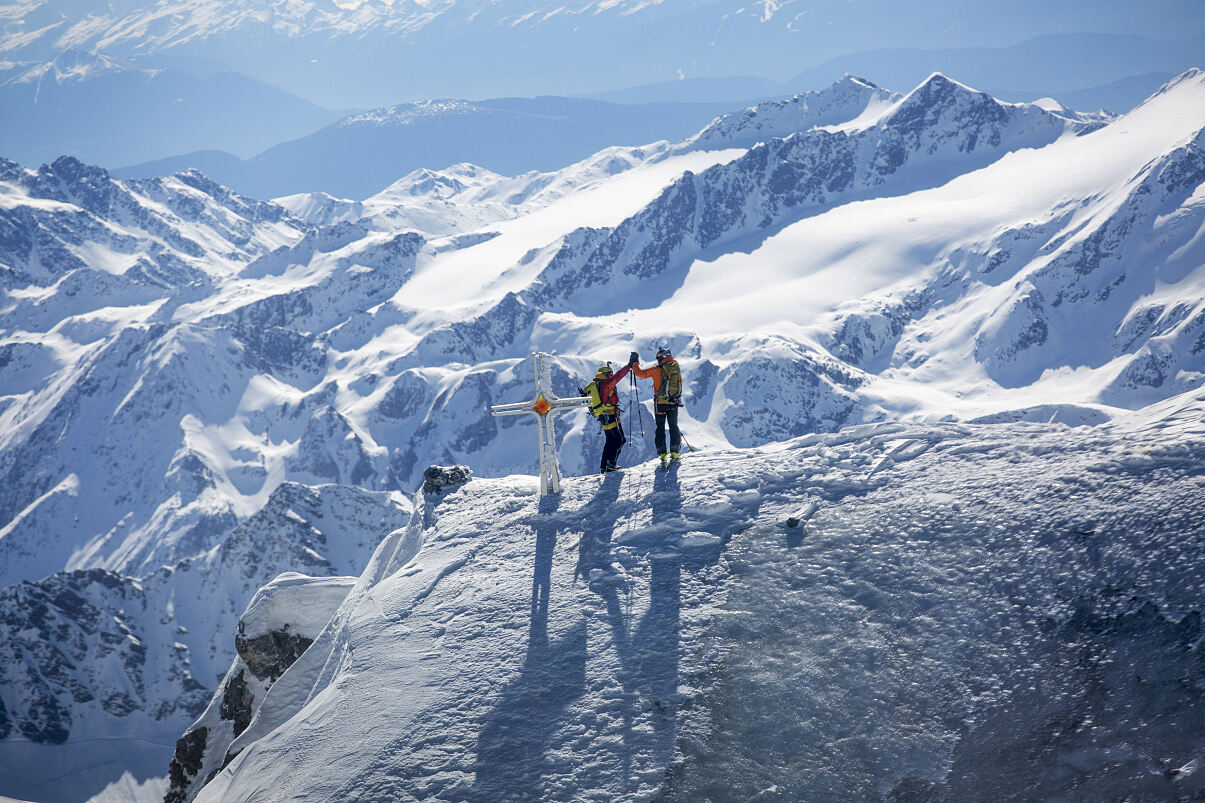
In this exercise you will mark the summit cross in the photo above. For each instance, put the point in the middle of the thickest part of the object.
(544, 405)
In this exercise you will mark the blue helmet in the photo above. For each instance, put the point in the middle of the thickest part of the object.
(663, 354)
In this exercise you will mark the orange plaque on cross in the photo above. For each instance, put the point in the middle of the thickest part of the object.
(541, 406)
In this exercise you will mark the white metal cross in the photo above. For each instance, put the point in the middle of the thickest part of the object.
(544, 406)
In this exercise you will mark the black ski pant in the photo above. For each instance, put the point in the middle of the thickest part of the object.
(615, 442)
(667, 413)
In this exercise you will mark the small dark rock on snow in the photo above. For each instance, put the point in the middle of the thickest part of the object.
(437, 478)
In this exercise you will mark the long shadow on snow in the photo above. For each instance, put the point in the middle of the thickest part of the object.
(515, 736)
(594, 548)
(514, 740)
(649, 654)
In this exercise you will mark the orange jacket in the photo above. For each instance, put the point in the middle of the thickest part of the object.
(654, 373)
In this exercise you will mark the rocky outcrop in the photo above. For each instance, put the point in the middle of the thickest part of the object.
(437, 479)
(280, 623)
(268, 656)
(186, 763)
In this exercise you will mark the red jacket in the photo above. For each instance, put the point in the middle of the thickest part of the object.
(606, 387)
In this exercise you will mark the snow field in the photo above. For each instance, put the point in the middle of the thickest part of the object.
(966, 610)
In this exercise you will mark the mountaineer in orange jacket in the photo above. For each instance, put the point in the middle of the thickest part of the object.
(667, 397)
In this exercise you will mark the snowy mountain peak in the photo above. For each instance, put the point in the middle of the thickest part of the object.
(1186, 79)
(849, 98)
(442, 184)
(939, 90)
(161, 232)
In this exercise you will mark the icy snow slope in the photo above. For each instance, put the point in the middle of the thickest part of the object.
(966, 612)
(465, 197)
(279, 625)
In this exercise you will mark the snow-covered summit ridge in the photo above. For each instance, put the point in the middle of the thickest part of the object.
(921, 141)
(159, 233)
(851, 98)
(939, 85)
(951, 589)
(460, 198)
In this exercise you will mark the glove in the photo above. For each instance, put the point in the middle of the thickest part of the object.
(633, 358)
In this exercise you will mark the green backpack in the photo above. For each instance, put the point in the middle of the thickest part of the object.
(671, 381)
(597, 407)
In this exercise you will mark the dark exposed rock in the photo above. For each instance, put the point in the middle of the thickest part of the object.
(269, 655)
(186, 763)
(238, 703)
(437, 478)
(409, 395)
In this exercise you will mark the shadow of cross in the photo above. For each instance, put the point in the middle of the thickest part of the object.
(544, 406)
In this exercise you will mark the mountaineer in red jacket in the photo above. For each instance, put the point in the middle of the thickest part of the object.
(604, 405)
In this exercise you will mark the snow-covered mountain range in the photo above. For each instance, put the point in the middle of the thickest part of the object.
(199, 390)
(117, 112)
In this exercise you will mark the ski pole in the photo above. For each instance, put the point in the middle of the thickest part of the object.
(632, 405)
(682, 435)
(640, 414)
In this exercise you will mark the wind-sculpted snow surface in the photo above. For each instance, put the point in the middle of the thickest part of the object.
(954, 612)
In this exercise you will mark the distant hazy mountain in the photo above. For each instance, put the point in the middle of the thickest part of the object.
(362, 154)
(112, 112)
(365, 53)
(698, 90)
(1045, 65)
(1116, 96)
